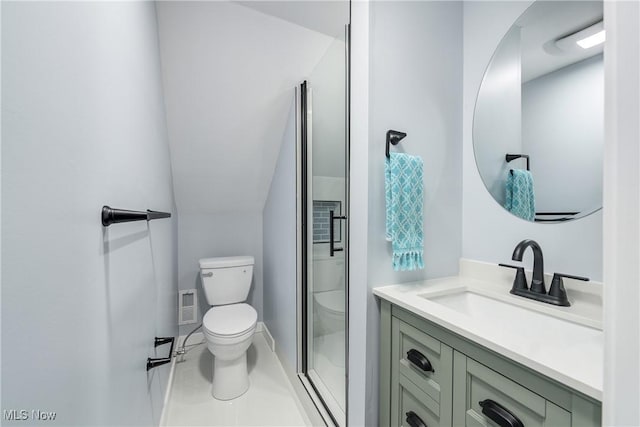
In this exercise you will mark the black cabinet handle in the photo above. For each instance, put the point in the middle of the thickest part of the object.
(419, 360)
(499, 414)
(414, 420)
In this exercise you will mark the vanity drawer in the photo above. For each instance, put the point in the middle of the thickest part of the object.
(475, 383)
(412, 407)
(423, 360)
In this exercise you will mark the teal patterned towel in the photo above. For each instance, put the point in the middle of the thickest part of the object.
(404, 189)
(520, 197)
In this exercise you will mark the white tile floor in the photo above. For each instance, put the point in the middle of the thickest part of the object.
(270, 400)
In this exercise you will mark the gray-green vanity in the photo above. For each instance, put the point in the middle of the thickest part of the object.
(431, 376)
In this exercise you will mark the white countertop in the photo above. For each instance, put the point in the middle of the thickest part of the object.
(568, 347)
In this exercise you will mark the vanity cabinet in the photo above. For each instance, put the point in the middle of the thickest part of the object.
(432, 377)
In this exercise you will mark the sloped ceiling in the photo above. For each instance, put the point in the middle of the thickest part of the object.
(229, 74)
(327, 17)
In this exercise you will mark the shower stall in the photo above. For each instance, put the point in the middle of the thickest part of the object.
(323, 230)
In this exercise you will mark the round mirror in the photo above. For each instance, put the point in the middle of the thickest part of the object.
(538, 126)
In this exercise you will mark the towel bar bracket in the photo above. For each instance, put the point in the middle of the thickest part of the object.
(393, 137)
(510, 157)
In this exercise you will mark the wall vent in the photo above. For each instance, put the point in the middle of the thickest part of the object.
(187, 307)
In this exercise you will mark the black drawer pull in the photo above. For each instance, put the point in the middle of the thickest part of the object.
(414, 420)
(499, 414)
(419, 360)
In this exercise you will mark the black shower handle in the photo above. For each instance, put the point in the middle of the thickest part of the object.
(332, 217)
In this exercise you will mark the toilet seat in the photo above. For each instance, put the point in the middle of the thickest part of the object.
(230, 321)
(331, 301)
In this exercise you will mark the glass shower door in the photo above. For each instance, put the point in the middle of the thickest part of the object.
(325, 199)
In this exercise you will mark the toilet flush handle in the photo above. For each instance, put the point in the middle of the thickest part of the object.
(209, 274)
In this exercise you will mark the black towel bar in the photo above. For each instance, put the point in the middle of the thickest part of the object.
(112, 216)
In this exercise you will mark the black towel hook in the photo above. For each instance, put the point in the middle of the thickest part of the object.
(393, 137)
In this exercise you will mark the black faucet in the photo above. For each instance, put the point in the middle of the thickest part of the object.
(538, 291)
(537, 282)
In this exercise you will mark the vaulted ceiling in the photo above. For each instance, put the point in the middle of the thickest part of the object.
(229, 73)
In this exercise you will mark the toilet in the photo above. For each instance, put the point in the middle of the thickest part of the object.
(329, 307)
(230, 323)
(330, 325)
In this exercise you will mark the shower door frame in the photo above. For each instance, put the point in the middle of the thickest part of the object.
(302, 157)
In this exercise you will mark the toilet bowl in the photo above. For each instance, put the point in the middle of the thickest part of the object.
(330, 311)
(330, 320)
(228, 331)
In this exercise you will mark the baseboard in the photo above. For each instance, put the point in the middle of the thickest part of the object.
(267, 336)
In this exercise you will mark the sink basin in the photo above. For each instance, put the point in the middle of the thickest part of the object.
(476, 305)
(506, 315)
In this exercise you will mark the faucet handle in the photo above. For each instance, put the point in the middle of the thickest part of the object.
(557, 287)
(520, 281)
(570, 276)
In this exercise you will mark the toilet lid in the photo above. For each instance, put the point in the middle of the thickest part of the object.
(229, 320)
(331, 300)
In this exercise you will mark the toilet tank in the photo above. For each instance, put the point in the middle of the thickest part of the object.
(226, 280)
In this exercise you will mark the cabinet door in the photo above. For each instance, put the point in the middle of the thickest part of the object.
(420, 362)
(484, 398)
(412, 407)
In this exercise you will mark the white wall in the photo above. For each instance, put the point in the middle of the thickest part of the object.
(621, 402)
(489, 232)
(327, 82)
(410, 93)
(228, 71)
(357, 398)
(563, 132)
(279, 247)
(497, 126)
(83, 126)
(218, 235)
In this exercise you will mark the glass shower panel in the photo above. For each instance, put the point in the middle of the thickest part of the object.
(327, 235)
